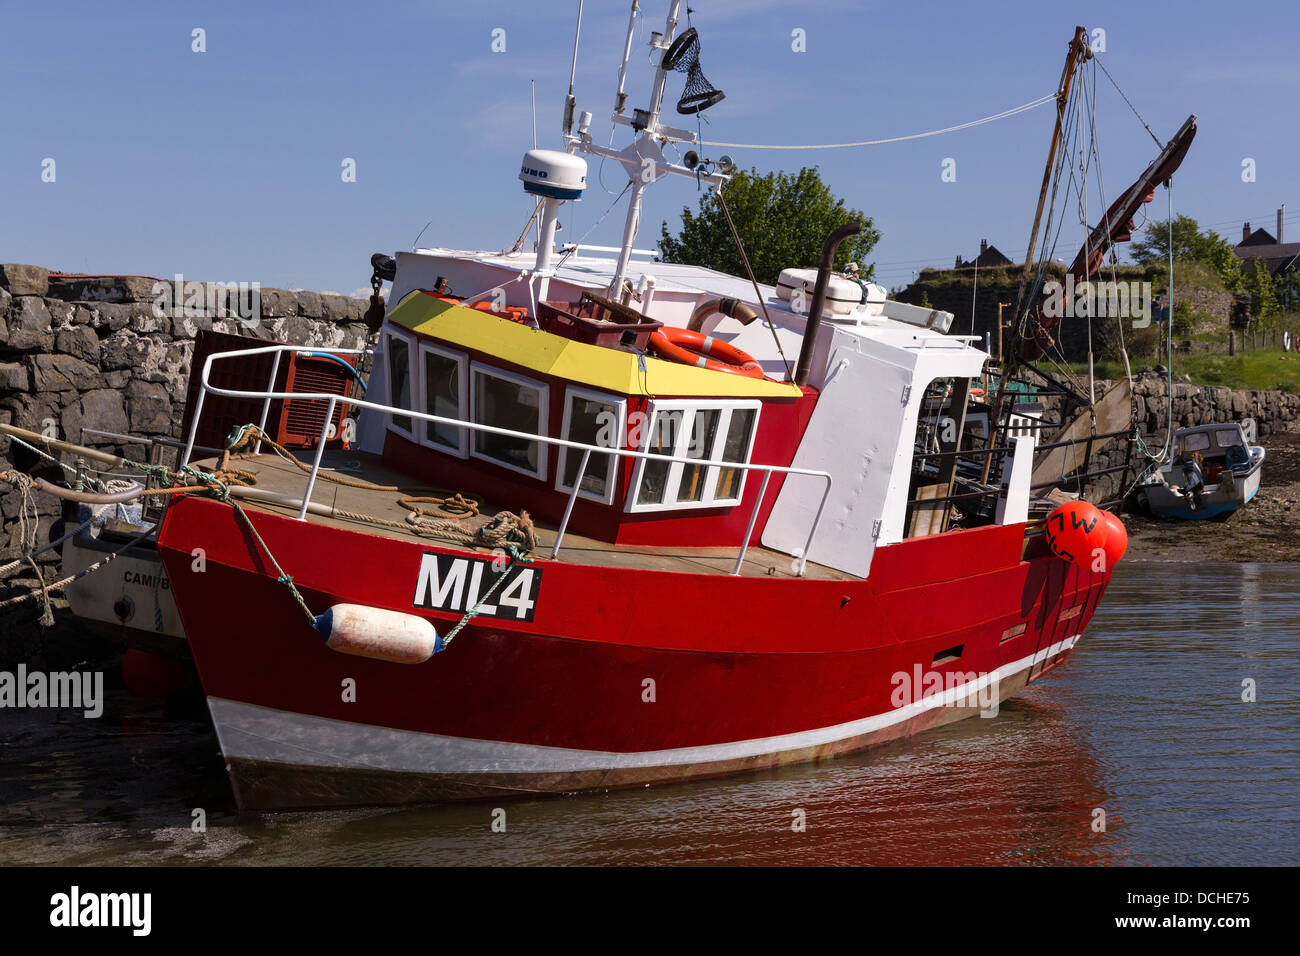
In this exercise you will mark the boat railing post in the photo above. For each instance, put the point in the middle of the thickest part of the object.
(198, 413)
(812, 532)
(568, 507)
(315, 466)
(266, 404)
(753, 517)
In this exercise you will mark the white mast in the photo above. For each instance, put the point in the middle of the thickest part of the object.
(643, 160)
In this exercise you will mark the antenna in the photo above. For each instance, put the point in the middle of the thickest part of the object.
(569, 101)
(620, 100)
(532, 84)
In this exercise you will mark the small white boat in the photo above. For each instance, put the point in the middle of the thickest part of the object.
(1230, 466)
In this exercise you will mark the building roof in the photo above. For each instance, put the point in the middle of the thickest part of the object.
(1277, 257)
(1260, 237)
(989, 258)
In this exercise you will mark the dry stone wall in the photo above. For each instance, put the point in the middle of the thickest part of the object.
(82, 352)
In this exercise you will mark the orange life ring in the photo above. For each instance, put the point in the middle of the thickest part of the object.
(515, 313)
(703, 351)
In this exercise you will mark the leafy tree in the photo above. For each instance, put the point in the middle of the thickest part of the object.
(1263, 293)
(1189, 245)
(783, 220)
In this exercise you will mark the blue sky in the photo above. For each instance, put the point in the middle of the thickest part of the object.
(225, 165)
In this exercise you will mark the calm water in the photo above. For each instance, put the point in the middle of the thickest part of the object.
(1146, 722)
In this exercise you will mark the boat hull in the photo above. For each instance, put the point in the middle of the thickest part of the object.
(623, 677)
(1224, 499)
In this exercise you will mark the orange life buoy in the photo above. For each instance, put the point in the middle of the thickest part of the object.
(703, 351)
(515, 313)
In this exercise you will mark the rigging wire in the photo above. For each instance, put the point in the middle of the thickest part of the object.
(757, 294)
(898, 139)
(1097, 60)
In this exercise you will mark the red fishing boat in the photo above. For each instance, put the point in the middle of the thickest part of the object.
(595, 531)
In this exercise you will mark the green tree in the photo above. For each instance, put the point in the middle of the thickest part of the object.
(782, 218)
(1263, 293)
(1189, 245)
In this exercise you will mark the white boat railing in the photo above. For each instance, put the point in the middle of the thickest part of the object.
(335, 400)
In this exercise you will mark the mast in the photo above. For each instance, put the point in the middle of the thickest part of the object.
(633, 222)
(1078, 51)
(643, 160)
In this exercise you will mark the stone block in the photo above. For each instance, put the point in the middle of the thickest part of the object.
(102, 288)
(29, 325)
(149, 408)
(24, 280)
(62, 373)
(79, 341)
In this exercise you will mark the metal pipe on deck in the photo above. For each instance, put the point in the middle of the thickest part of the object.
(804, 366)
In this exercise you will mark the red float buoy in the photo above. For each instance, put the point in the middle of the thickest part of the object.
(1116, 538)
(1075, 530)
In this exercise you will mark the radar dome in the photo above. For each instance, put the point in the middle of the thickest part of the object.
(553, 174)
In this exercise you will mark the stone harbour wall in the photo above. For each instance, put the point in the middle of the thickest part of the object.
(91, 352)
(1273, 411)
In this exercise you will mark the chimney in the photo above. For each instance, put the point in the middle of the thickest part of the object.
(1280, 210)
(984, 243)
(1245, 232)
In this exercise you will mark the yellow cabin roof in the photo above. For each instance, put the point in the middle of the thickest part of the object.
(612, 370)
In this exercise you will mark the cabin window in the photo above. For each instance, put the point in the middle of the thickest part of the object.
(398, 349)
(700, 431)
(505, 400)
(592, 418)
(446, 389)
(1196, 441)
(1227, 437)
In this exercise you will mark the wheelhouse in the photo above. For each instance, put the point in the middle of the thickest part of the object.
(458, 363)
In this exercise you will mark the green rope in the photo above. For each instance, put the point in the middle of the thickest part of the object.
(95, 483)
(162, 473)
(282, 577)
(516, 557)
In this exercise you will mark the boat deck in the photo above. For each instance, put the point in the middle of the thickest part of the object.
(279, 477)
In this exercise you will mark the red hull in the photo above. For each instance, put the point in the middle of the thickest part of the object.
(748, 672)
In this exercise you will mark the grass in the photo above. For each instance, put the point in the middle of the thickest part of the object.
(1266, 369)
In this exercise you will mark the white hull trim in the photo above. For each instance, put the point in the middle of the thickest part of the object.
(255, 733)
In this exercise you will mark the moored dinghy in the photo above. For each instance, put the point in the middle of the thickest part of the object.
(1214, 470)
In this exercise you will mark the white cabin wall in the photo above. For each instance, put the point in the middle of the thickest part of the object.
(863, 432)
(855, 432)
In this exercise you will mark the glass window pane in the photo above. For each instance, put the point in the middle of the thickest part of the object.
(594, 423)
(704, 428)
(664, 430)
(399, 377)
(442, 398)
(1227, 437)
(735, 448)
(507, 404)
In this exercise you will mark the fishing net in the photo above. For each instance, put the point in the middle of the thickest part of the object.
(684, 57)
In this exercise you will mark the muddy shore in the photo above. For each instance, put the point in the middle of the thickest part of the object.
(1267, 529)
